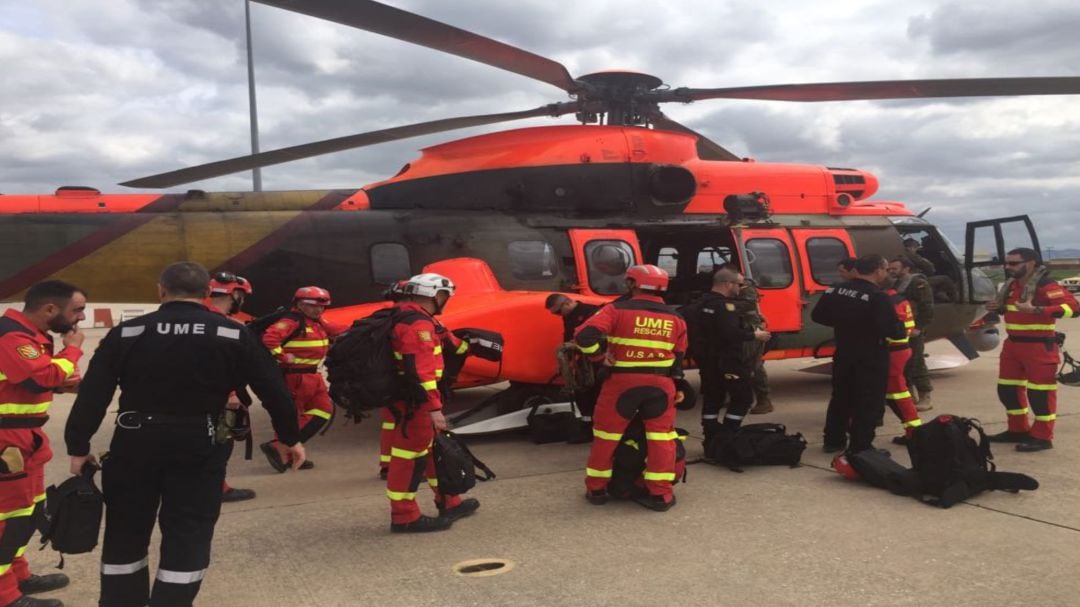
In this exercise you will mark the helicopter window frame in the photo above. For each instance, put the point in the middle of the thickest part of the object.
(753, 259)
(667, 259)
(379, 260)
(613, 284)
(823, 270)
(522, 260)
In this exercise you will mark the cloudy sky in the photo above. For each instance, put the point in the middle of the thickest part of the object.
(95, 93)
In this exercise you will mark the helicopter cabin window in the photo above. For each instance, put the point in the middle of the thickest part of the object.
(825, 255)
(389, 263)
(608, 261)
(770, 263)
(532, 259)
(668, 261)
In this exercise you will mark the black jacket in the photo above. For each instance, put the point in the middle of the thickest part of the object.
(724, 325)
(180, 360)
(861, 316)
(576, 317)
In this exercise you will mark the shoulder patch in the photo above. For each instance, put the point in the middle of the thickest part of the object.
(28, 351)
(424, 335)
(730, 307)
(281, 325)
(1055, 293)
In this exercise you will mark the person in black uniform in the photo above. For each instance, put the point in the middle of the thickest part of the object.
(573, 314)
(862, 317)
(727, 369)
(176, 367)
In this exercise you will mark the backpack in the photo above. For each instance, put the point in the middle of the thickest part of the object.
(72, 517)
(259, 325)
(628, 466)
(360, 364)
(455, 465)
(952, 466)
(697, 345)
(877, 467)
(755, 445)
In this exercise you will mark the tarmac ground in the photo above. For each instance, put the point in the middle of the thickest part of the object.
(769, 536)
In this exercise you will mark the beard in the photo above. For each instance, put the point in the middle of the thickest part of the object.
(1018, 273)
(60, 326)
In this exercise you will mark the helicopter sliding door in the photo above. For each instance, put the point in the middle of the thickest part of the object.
(985, 245)
(770, 261)
(601, 258)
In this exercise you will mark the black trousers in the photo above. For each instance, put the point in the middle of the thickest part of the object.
(171, 475)
(723, 381)
(858, 399)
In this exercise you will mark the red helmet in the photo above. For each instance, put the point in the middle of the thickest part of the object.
(841, 464)
(225, 283)
(648, 277)
(312, 295)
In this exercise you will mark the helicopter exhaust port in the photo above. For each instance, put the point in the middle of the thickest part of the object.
(671, 185)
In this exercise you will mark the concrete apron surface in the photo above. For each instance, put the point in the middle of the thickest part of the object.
(770, 536)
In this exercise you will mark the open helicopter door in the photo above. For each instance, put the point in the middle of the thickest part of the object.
(601, 258)
(769, 257)
(985, 245)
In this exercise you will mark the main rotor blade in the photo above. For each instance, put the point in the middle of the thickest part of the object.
(403, 25)
(707, 149)
(338, 144)
(885, 89)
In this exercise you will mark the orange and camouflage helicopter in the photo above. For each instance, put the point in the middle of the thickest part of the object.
(515, 215)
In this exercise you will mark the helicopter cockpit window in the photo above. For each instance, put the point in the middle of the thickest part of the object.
(532, 259)
(825, 255)
(668, 261)
(770, 263)
(389, 263)
(608, 261)
(710, 258)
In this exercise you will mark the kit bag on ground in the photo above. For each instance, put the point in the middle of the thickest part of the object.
(628, 467)
(455, 465)
(877, 467)
(360, 364)
(754, 445)
(549, 426)
(259, 325)
(73, 512)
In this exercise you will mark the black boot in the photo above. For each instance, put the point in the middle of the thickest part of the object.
(465, 508)
(43, 583)
(29, 601)
(1008, 437)
(232, 494)
(423, 524)
(273, 457)
(1034, 444)
(598, 497)
(656, 502)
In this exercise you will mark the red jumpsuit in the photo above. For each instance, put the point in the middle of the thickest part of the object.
(299, 358)
(897, 394)
(1027, 370)
(29, 371)
(418, 351)
(449, 343)
(646, 342)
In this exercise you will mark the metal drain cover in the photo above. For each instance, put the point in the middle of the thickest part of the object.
(483, 567)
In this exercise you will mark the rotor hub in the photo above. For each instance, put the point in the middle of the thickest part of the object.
(619, 97)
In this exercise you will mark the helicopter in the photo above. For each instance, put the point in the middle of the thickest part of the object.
(514, 215)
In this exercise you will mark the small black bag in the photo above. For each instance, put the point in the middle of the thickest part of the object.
(73, 512)
(628, 463)
(755, 445)
(547, 426)
(880, 470)
(455, 465)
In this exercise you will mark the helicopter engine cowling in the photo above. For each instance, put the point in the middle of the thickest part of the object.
(984, 338)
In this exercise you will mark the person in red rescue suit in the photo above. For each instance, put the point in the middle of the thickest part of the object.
(418, 350)
(1027, 370)
(646, 343)
(299, 341)
(227, 294)
(454, 351)
(897, 394)
(29, 375)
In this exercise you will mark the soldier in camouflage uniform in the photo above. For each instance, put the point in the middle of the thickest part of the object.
(916, 289)
(756, 349)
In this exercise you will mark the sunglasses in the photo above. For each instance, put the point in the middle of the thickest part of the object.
(229, 277)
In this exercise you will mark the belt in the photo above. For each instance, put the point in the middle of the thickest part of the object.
(23, 422)
(666, 371)
(1022, 339)
(134, 420)
(304, 370)
(899, 347)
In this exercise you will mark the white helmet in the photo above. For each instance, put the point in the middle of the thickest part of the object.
(429, 285)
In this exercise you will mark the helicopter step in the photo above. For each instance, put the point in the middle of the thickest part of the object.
(508, 409)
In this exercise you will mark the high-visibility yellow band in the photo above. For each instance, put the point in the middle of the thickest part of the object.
(632, 443)
(593, 349)
(1043, 387)
(1023, 411)
(659, 476)
(437, 350)
(910, 324)
(438, 373)
(433, 483)
(399, 356)
(898, 395)
(3, 377)
(400, 496)
(27, 511)
(1046, 418)
(20, 552)
(65, 365)
(597, 473)
(317, 413)
(641, 343)
(307, 343)
(645, 363)
(24, 408)
(1067, 310)
(429, 385)
(606, 435)
(1011, 308)
(1011, 382)
(897, 341)
(661, 436)
(384, 459)
(314, 362)
(276, 350)
(913, 423)
(39, 498)
(4, 568)
(388, 425)
(1014, 327)
(463, 348)
(406, 454)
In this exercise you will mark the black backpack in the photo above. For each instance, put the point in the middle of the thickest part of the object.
(755, 445)
(953, 466)
(259, 325)
(455, 465)
(73, 512)
(629, 460)
(360, 364)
